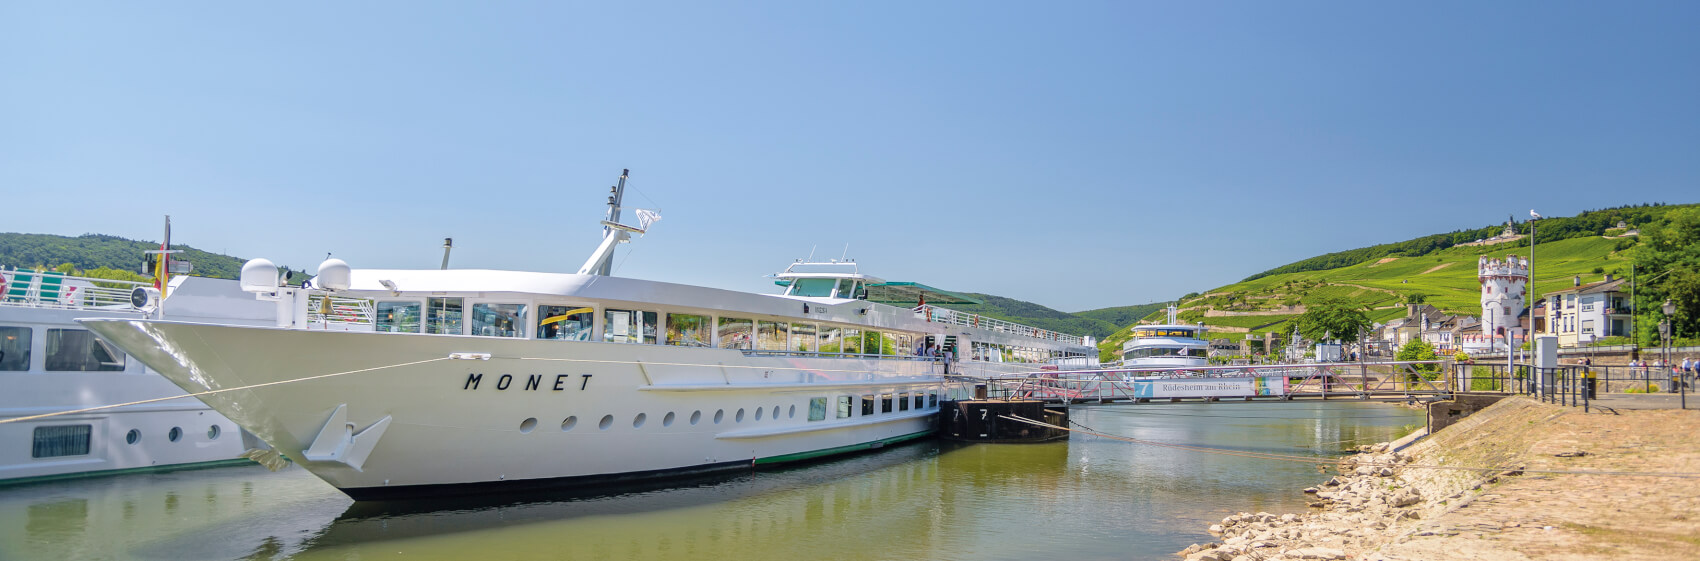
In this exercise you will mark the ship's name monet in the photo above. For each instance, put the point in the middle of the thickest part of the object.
(532, 382)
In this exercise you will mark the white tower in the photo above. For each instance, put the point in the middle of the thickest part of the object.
(1503, 283)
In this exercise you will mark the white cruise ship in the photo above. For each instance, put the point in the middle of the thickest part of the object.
(49, 363)
(1168, 345)
(467, 381)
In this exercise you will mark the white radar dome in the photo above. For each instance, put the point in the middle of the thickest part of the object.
(259, 275)
(334, 274)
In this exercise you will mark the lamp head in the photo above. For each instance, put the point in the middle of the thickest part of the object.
(1669, 308)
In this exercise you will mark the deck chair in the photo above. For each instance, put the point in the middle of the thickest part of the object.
(18, 290)
(49, 290)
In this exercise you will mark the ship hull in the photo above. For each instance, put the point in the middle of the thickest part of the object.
(382, 415)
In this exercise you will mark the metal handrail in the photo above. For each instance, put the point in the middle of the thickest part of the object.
(936, 314)
(72, 293)
(342, 310)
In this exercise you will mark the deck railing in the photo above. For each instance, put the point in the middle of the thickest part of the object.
(323, 308)
(945, 315)
(32, 289)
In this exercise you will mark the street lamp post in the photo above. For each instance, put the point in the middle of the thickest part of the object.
(1664, 332)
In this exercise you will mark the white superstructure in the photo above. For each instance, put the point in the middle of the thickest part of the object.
(470, 380)
(1166, 345)
(49, 363)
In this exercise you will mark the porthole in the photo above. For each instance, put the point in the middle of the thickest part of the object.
(792, 414)
(526, 426)
(133, 437)
(569, 423)
(668, 420)
(739, 418)
(175, 434)
(607, 421)
(213, 432)
(776, 412)
(758, 413)
(637, 422)
(696, 416)
(718, 415)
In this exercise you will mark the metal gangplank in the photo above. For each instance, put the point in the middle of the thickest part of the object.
(1388, 381)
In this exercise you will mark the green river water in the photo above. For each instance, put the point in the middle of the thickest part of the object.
(1087, 498)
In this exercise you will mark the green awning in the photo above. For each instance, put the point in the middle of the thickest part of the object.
(911, 293)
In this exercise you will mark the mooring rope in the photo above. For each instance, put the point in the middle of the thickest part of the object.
(1336, 461)
(210, 392)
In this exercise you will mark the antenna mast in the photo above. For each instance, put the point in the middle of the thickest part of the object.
(602, 261)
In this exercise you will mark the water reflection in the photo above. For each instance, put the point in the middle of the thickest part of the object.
(1086, 498)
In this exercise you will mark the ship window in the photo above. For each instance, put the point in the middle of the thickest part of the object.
(14, 349)
(867, 405)
(1183, 333)
(498, 320)
(821, 288)
(885, 403)
(687, 330)
(891, 344)
(629, 326)
(919, 400)
(843, 406)
(738, 418)
(78, 350)
(759, 411)
(64, 440)
(852, 341)
(830, 341)
(565, 323)
(771, 335)
(736, 333)
(398, 317)
(442, 316)
(902, 402)
(817, 409)
(803, 337)
(932, 399)
(133, 436)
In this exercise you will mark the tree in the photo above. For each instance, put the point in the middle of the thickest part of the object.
(1668, 256)
(1419, 350)
(1341, 318)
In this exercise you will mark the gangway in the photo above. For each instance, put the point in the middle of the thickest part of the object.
(1394, 380)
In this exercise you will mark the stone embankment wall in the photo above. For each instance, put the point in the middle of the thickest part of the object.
(1390, 503)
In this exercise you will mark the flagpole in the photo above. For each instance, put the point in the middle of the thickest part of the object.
(1530, 299)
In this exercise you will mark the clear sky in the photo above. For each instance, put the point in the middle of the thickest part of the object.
(1075, 154)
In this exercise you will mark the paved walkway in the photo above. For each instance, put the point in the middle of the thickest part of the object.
(1643, 401)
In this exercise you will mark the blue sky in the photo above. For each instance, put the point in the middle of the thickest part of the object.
(1074, 154)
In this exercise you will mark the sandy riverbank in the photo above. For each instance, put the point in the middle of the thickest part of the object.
(1385, 506)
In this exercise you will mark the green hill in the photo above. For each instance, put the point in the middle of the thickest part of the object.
(95, 251)
(1438, 270)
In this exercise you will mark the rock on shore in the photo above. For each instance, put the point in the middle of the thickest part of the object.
(1385, 498)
